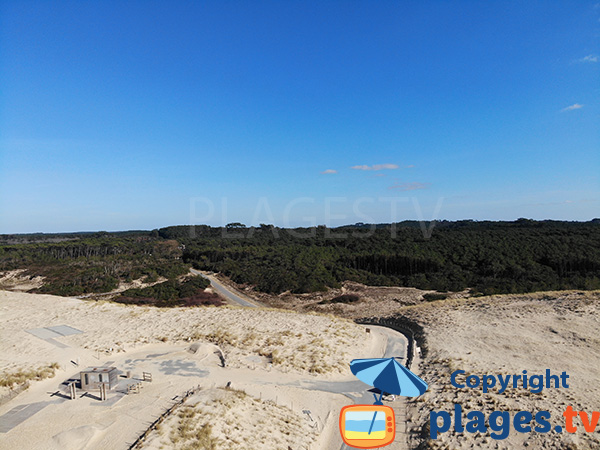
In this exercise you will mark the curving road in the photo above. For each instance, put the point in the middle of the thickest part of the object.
(395, 348)
(356, 391)
(359, 393)
(225, 291)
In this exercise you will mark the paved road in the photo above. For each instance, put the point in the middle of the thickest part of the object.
(356, 391)
(395, 348)
(227, 292)
(359, 393)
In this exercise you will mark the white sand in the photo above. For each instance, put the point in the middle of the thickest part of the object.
(269, 355)
(15, 280)
(506, 335)
(228, 419)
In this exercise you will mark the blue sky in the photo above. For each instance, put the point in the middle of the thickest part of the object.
(137, 115)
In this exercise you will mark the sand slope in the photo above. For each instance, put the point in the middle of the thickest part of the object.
(506, 335)
(312, 343)
(269, 356)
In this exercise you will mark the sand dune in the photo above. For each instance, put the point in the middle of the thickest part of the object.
(295, 342)
(269, 355)
(506, 335)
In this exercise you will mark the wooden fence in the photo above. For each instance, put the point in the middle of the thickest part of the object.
(415, 335)
(411, 330)
(140, 440)
(13, 393)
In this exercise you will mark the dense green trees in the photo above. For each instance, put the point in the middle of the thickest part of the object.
(92, 263)
(172, 293)
(488, 257)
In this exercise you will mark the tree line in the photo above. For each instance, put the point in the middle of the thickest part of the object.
(486, 257)
(93, 263)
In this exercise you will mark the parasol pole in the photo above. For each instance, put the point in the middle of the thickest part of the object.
(377, 402)
(372, 422)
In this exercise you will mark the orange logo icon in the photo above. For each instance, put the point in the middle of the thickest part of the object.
(367, 426)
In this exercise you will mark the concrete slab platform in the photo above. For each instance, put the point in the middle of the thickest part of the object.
(111, 400)
(44, 333)
(49, 334)
(64, 330)
(19, 414)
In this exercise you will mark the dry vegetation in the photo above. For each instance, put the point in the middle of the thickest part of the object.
(506, 335)
(290, 350)
(312, 343)
(353, 300)
(19, 378)
(10, 379)
(227, 419)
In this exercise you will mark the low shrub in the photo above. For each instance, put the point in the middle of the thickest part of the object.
(21, 376)
(431, 297)
(172, 293)
(344, 298)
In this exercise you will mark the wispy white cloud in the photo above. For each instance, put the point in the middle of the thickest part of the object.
(410, 166)
(572, 107)
(329, 171)
(564, 202)
(376, 167)
(410, 186)
(589, 58)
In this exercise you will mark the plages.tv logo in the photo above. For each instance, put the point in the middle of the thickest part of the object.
(374, 426)
(500, 422)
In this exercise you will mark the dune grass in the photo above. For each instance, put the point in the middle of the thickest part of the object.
(10, 379)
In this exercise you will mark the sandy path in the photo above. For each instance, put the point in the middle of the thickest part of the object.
(230, 294)
(136, 336)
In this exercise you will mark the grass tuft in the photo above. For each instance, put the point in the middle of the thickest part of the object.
(21, 376)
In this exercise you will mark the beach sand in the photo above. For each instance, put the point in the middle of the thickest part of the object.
(506, 335)
(269, 355)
